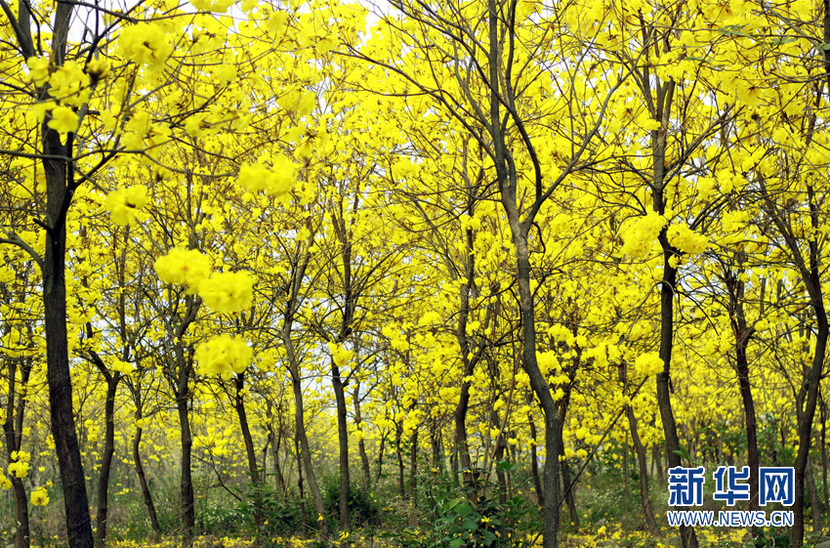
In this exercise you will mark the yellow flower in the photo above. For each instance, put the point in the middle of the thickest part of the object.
(19, 469)
(39, 496)
(38, 69)
(145, 43)
(223, 355)
(183, 267)
(64, 120)
(687, 240)
(276, 180)
(227, 292)
(641, 233)
(125, 202)
(98, 68)
(649, 364)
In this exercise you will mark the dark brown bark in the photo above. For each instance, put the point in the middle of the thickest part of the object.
(687, 534)
(815, 503)
(824, 463)
(399, 454)
(13, 434)
(250, 451)
(361, 445)
(106, 459)
(343, 444)
(806, 398)
(534, 463)
(142, 480)
(303, 449)
(305, 452)
(743, 333)
(413, 468)
(380, 456)
(59, 197)
(187, 498)
(640, 451)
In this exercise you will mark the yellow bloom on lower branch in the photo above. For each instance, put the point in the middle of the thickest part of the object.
(223, 355)
(40, 497)
(125, 202)
(183, 267)
(64, 120)
(649, 364)
(19, 469)
(227, 292)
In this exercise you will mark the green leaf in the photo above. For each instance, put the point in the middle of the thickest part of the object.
(469, 525)
(683, 453)
(464, 509)
(456, 543)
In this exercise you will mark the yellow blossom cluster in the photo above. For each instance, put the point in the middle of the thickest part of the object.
(648, 364)
(227, 291)
(275, 180)
(186, 267)
(224, 292)
(39, 496)
(339, 355)
(20, 467)
(223, 355)
(145, 44)
(687, 240)
(124, 203)
(640, 234)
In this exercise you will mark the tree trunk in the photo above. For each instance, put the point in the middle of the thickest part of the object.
(824, 454)
(142, 480)
(640, 450)
(815, 503)
(59, 192)
(187, 502)
(343, 441)
(13, 433)
(413, 468)
(534, 463)
(361, 445)
(300, 484)
(380, 456)
(687, 534)
(399, 451)
(752, 455)
(253, 469)
(106, 461)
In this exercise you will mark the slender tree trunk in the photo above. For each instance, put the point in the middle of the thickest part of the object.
(305, 455)
(253, 469)
(534, 463)
(824, 454)
(657, 458)
(753, 457)
(687, 534)
(380, 456)
(106, 460)
(59, 195)
(13, 434)
(300, 484)
(399, 451)
(413, 468)
(640, 450)
(361, 445)
(815, 503)
(142, 481)
(188, 500)
(343, 442)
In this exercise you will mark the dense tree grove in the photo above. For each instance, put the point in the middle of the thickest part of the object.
(454, 262)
